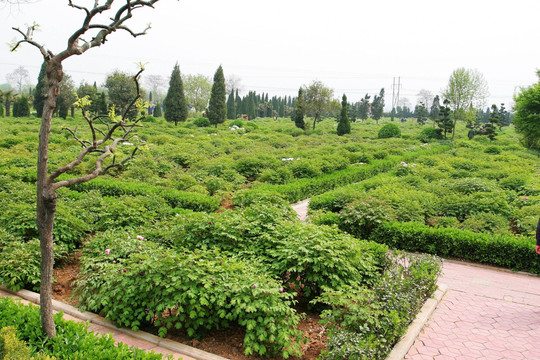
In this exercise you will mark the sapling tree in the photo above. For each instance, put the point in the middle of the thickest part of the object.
(104, 142)
(344, 125)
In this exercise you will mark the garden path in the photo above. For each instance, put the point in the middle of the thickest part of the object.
(487, 313)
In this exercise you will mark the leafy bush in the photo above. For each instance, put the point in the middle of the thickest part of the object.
(500, 250)
(20, 262)
(493, 150)
(175, 198)
(471, 185)
(11, 347)
(428, 134)
(149, 119)
(281, 175)
(361, 217)
(389, 131)
(201, 122)
(73, 340)
(515, 183)
(365, 324)
(305, 169)
(136, 283)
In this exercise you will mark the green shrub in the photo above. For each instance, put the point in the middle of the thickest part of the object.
(389, 131)
(362, 216)
(12, 348)
(305, 169)
(20, 262)
(470, 185)
(428, 134)
(515, 183)
(381, 154)
(201, 122)
(365, 324)
(500, 250)
(73, 340)
(281, 175)
(141, 284)
(335, 200)
(149, 119)
(493, 150)
(485, 222)
(175, 198)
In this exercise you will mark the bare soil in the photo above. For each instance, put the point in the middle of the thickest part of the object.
(225, 342)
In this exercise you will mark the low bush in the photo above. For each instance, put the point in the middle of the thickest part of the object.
(428, 134)
(500, 250)
(175, 198)
(136, 283)
(365, 324)
(20, 262)
(201, 122)
(73, 340)
(389, 131)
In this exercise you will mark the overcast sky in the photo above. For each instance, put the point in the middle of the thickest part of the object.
(353, 46)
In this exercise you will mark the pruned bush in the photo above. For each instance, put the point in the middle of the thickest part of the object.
(389, 131)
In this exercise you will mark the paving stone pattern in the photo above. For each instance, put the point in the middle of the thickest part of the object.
(487, 313)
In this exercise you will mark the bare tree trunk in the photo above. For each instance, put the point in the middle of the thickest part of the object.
(8, 108)
(46, 200)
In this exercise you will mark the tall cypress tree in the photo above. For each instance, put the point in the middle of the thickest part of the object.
(299, 110)
(175, 102)
(39, 93)
(217, 109)
(231, 106)
(344, 126)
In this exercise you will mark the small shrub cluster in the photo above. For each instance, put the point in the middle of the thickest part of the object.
(389, 131)
(73, 340)
(499, 250)
(366, 323)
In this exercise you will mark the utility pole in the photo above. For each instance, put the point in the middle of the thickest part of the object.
(395, 95)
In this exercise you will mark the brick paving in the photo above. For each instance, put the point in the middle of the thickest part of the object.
(487, 313)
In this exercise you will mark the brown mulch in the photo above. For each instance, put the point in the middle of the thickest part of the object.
(225, 342)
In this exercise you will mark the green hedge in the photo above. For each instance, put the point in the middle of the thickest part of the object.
(176, 198)
(305, 188)
(499, 250)
(73, 341)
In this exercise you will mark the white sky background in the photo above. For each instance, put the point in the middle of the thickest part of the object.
(353, 46)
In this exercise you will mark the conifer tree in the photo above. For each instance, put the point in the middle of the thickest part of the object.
(435, 109)
(344, 125)
(377, 106)
(421, 112)
(444, 122)
(217, 109)
(299, 110)
(39, 93)
(175, 102)
(493, 122)
(363, 108)
(231, 106)
(157, 110)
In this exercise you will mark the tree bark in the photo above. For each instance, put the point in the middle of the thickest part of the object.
(46, 199)
(8, 108)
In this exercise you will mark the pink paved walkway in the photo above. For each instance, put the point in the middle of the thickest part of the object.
(486, 314)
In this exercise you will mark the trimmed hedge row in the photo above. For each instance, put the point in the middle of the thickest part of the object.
(73, 341)
(305, 188)
(505, 251)
(176, 198)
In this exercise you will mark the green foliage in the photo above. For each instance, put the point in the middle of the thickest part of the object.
(20, 262)
(299, 111)
(493, 150)
(527, 115)
(429, 134)
(175, 198)
(201, 122)
(388, 131)
(362, 216)
(39, 93)
(195, 290)
(121, 90)
(175, 102)
(365, 324)
(12, 348)
(217, 108)
(73, 340)
(21, 107)
(500, 250)
(344, 125)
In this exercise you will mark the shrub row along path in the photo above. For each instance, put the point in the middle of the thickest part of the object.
(487, 313)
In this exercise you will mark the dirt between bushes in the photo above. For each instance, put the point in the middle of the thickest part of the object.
(224, 342)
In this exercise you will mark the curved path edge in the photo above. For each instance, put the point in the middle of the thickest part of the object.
(187, 351)
(406, 342)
